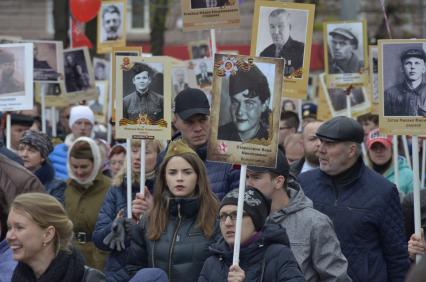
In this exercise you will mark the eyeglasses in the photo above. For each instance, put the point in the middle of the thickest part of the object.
(232, 216)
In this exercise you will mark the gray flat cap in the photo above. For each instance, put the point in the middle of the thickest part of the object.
(341, 129)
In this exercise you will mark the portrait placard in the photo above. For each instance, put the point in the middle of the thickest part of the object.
(402, 87)
(101, 68)
(336, 99)
(16, 77)
(199, 49)
(208, 14)
(48, 61)
(54, 94)
(79, 77)
(373, 71)
(111, 29)
(99, 106)
(345, 53)
(292, 105)
(144, 97)
(289, 36)
(245, 110)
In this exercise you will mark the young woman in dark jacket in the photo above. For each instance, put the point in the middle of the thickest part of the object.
(181, 225)
(265, 254)
(40, 235)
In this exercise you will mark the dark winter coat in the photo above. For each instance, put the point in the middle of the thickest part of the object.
(55, 187)
(367, 217)
(267, 259)
(115, 200)
(181, 249)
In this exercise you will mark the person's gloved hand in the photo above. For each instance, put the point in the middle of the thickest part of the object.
(120, 227)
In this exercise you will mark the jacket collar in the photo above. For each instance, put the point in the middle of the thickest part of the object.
(45, 173)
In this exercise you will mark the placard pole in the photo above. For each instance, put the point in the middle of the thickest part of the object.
(110, 102)
(395, 159)
(43, 110)
(416, 190)
(129, 176)
(406, 151)
(142, 177)
(8, 128)
(422, 183)
(53, 121)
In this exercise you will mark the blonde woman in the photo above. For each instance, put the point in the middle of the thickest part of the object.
(40, 235)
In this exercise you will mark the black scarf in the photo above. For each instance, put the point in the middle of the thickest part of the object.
(65, 267)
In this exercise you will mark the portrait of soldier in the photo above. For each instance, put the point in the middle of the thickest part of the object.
(204, 78)
(342, 57)
(200, 4)
(143, 101)
(76, 75)
(408, 98)
(8, 83)
(111, 22)
(179, 83)
(283, 45)
(250, 96)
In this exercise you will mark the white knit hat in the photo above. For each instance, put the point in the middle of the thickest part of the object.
(81, 112)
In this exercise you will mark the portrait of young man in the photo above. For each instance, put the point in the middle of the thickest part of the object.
(408, 98)
(111, 23)
(9, 83)
(143, 100)
(250, 96)
(342, 57)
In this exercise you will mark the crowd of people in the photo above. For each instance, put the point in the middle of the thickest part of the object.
(328, 210)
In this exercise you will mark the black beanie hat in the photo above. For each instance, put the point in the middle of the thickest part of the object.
(255, 205)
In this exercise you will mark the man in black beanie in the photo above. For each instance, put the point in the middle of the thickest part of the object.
(250, 96)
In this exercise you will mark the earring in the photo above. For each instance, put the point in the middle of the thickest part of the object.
(44, 244)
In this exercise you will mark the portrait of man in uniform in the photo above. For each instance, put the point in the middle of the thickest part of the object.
(143, 100)
(341, 52)
(250, 96)
(8, 82)
(179, 81)
(200, 4)
(283, 45)
(204, 77)
(408, 98)
(111, 23)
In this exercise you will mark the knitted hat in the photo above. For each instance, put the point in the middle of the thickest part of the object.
(255, 205)
(81, 112)
(38, 140)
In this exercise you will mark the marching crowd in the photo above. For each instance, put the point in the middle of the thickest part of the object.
(328, 211)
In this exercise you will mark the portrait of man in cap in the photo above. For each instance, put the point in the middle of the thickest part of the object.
(8, 83)
(143, 100)
(200, 4)
(283, 45)
(111, 23)
(342, 57)
(250, 96)
(408, 98)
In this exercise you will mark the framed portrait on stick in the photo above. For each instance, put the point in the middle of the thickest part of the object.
(402, 86)
(345, 53)
(16, 77)
(245, 110)
(284, 30)
(208, 14)
(111, 25)
(48, 61)
(199, 49)
(144, 97)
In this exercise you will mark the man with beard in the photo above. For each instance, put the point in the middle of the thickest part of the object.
(8, 83)
(111, 21)
(310, 144)
(143, 101)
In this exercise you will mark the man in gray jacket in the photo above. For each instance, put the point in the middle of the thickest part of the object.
(312, 238)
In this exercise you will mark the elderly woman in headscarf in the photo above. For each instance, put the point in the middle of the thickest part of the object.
(34, 148)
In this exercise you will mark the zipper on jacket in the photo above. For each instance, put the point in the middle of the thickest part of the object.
(173, 242)
(336, 192)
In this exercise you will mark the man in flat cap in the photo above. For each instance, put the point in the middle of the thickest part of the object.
(409, 97)
(342, 58)
(283, 45)
(111, 22)
(363, 206)
(250, 95)
(143, 101)
(8, 83)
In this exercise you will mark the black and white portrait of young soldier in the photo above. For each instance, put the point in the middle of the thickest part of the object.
(250, 97)
(284, 25)
(142, 98)
(112, 27)
(345, 48)
(407, 97)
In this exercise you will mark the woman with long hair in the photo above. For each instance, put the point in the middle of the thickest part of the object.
(40, 235)
(115, 203)
(176, 233)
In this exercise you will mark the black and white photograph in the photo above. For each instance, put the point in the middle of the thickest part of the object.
(48, 61)
(199, 49)
(143, 101)
(292, 105)
(179, 79)
(285, 36)
(284, 30)
(143, 92)
(111, 25)
(245, 110)
(78, 70)
(16, 76)
(99, 105)
(403, 79)
(203, 73)
(101, 68)
(203, 4)
(374, 72)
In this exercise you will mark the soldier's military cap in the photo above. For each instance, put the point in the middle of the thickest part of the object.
(341, 129)
(252, 80)
(415, 52)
